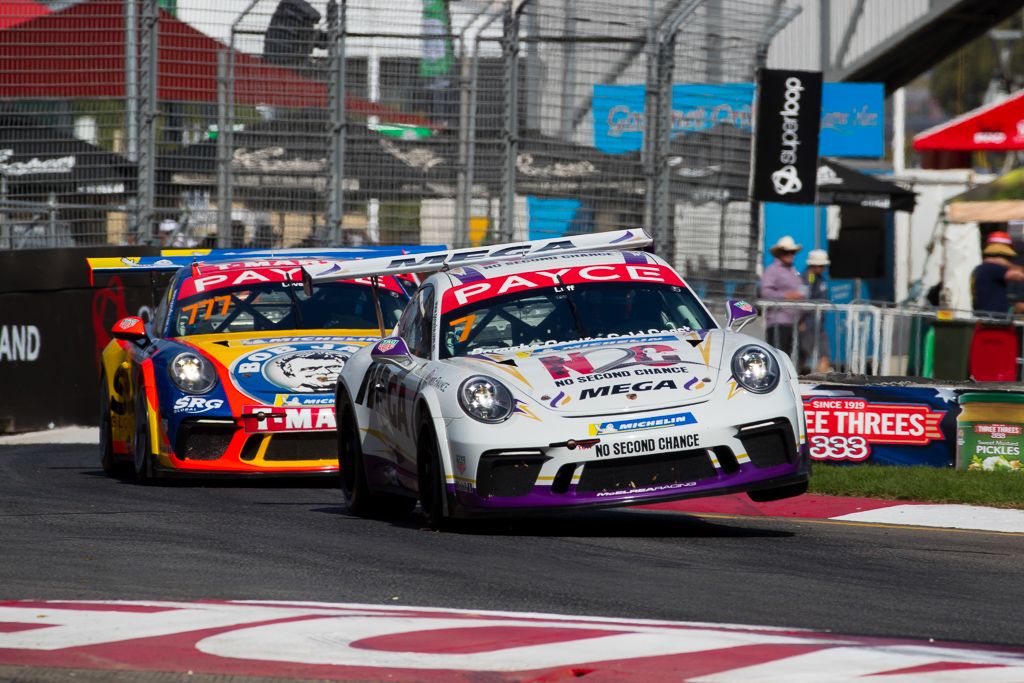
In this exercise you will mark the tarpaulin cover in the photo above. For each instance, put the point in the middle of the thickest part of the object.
(997, 126)
(841, 185)
(996, 202)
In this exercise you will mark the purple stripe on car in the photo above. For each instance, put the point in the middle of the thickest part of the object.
(627, 236)
(543, 496)
(634, 256)
(468, 275)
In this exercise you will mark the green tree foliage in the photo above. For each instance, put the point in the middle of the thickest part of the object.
(959, 82)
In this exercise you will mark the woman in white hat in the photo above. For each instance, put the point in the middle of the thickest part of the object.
(781, 281)
(812, 327)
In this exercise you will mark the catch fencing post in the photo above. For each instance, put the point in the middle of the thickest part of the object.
(223, 151)
(510, 57)
(339, 121)
(147, 112)
(467, 122)
(661, 46)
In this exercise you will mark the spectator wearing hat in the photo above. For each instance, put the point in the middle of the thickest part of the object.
(812, 327)
(988, 280)
(782, 282)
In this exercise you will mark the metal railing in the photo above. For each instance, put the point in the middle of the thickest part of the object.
(870, 338)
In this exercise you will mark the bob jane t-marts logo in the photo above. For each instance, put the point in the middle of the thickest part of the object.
(788, 122)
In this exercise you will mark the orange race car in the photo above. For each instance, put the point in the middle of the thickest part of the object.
(235, 373)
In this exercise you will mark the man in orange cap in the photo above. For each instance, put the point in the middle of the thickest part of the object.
(988, 280)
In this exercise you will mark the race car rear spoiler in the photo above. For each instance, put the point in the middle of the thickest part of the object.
(171, 260)
(442, 260)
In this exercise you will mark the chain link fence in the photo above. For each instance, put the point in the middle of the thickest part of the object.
(288, 124)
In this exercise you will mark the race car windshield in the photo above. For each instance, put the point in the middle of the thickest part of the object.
(278, 306)
(567, 313)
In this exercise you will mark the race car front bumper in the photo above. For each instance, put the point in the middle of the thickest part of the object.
(223, 446)
(702, 458)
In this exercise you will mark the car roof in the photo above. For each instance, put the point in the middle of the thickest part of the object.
(461, 275)
(234, 272)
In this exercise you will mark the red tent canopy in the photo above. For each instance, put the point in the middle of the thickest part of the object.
(79, 53)
(998, 126)
(14, 12)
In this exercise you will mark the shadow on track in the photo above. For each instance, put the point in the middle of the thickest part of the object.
(300, 481)
(624, 523)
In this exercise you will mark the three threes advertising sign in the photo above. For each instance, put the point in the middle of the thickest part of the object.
(848, 428)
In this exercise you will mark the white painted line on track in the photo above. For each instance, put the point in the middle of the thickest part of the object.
(943, 516)
(59, 435)
(346, 642)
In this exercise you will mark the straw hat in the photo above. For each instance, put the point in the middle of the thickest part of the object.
(1003, 250)
(785, 244)
(817, 257)
(999, 244)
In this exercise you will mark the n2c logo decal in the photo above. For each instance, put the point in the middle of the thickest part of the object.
(845, 429)
(580, 362)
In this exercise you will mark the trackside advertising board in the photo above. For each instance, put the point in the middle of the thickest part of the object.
(968, 425)
(884, 425)
(852, 115)
(52, 329)
(788, 119)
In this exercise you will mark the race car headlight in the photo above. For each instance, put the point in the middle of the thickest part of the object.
(486, 400)
(755, 369)
(192, 373)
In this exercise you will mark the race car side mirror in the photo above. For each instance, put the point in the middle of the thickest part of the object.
(391, 348)
(131, 328)
(738, 313)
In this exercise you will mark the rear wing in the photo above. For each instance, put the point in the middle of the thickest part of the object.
(443, 260)
(171, 260)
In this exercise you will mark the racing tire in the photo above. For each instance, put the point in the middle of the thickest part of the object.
(111, 466)
(361, 500)
(432, 480)
(768, 495)
(142, 457)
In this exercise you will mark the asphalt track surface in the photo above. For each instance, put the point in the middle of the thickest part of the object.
(68, 532)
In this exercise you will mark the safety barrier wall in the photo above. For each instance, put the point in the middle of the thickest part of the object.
(53, 325)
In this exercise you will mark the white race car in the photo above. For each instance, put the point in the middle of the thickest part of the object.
(564, 373)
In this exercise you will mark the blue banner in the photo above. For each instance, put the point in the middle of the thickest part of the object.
(550, 217)
(619, 118)
(852, 118)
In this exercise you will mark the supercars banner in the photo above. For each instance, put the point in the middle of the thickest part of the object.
(788, 119)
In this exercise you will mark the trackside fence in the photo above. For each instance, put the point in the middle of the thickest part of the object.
(287, 123)
(880, 339)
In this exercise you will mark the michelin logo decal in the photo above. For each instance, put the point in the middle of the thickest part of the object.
(616, 426)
